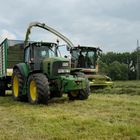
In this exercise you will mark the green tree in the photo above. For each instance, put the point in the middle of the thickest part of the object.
(124, 71)
(103, 68)
(118, 71)
(129, 59)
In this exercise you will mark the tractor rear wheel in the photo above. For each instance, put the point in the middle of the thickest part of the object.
(80, 94)
(38, 89)
(2, 88)
(17, 86)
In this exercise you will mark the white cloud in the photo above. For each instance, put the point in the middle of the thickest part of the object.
(6, 34)
(114, 24)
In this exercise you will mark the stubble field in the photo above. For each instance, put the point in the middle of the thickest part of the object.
(107, 114)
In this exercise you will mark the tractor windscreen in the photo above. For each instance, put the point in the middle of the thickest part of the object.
(44, 51)
(83, 58)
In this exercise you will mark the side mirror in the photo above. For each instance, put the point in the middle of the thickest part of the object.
(68, 49)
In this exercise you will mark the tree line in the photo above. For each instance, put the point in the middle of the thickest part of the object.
(119, 66)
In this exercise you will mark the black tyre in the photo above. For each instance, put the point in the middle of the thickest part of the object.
(38, 89)
(80, 94)
(2, 88)
(83, 94)
(17, 86)
(73, 95)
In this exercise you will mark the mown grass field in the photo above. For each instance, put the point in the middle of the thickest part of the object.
(107, 114)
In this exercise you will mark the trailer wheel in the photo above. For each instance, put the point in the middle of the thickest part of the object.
(38, 89)
(17, 86)
(2, 88)
(80, 94)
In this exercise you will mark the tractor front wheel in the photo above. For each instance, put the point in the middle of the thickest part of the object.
(78, 95)
(81, 94)
(38, 89)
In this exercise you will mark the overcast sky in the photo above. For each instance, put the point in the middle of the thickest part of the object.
(114, 25)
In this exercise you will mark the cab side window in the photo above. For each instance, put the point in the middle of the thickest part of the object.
(27, 54)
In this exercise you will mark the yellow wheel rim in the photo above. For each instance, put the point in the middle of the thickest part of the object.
(74, 93)
(15, 86)
(33, 90)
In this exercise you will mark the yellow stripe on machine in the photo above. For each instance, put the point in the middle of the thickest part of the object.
(9, 72)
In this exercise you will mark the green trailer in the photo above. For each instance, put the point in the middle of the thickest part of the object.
(11, 53)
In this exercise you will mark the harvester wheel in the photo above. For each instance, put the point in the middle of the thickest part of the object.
(2, 88)
(17, 86)
(38, 89)
(80, 94)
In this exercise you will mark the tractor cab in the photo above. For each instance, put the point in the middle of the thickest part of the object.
(36, 52)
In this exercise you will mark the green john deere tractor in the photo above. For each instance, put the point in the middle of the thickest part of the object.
(85, 60)
(43, 75)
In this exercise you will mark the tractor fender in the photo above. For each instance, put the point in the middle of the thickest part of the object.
(34, 72)
(23, 68)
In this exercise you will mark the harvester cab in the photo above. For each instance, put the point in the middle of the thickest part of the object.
(85, 57)
(85, 60)
(43, 74)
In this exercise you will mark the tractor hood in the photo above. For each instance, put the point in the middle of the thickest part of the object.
(56, 66)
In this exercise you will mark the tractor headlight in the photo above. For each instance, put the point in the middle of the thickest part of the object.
(63, 71)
